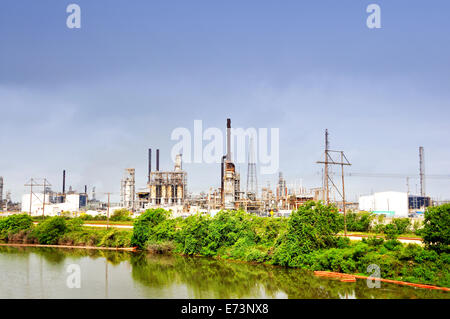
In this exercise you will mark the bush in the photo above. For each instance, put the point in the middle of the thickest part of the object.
(193, 235)
(436, 228)
(144, 224)
(360, 222)
(403, 225)
(391, 231)
(121, 215)
(115, 238)
(373, 241)
(313, 226)
(13, 224)
(50, 230)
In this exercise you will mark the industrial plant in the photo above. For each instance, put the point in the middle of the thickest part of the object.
(168, 189)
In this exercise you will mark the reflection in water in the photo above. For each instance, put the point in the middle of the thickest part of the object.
(159, 276)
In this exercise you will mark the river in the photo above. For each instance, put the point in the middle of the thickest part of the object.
(29, 272)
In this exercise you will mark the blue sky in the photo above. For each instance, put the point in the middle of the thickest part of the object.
(92, 100)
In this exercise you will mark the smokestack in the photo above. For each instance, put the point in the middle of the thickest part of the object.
(422, 171)
(157, 160)
(64, 182)
(149, 163)
(222, 170)
(85, 189)
(228, 139)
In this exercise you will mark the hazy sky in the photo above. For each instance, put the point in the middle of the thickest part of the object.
(92, 100)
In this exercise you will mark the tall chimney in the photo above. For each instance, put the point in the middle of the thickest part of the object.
(64, 182)
(157, 160)
(422, 171)
(149, 163)
(85, 189)
(228, 139)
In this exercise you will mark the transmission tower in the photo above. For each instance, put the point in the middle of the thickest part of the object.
(329, 160)
(252, 183)
(36, 182)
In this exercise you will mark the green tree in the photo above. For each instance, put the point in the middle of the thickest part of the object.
(50, 230)
(14, 223)
(436, 228)
(313, 226)
(144, 224)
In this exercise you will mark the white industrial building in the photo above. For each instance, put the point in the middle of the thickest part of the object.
(70, 202)
(392, 204)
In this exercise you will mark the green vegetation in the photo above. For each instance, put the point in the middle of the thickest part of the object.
(50, 230)
(121, 215)
(14, 224)
(436, 230)
(307, 239)
(59, 230)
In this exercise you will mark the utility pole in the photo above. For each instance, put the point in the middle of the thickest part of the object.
(31, 194)
(107, 218)
(32, 183)
(327, 191)
(43, 201)
(330, 161)
(343, 193)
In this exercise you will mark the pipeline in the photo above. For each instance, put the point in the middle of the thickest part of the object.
(352, 278)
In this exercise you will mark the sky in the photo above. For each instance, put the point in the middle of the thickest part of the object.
(93, 100)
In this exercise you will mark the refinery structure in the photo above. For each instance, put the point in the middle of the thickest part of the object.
(168, 189)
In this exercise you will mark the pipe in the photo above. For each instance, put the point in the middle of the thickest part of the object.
(221, 178)
(228, 139)
(149, 163)
(64, 182)
(157, 160)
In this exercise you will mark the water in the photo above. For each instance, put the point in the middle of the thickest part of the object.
(27, 272)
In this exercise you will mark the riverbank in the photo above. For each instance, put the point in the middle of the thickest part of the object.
(307, 240)
(66, 246)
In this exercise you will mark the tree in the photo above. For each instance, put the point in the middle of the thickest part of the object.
(50, 230)
(436, 229)
(144, 224)
(313, 226)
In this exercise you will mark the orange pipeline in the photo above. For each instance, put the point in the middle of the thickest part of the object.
(352, 278)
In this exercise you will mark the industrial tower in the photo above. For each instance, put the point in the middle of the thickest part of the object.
(252, 182)
(422, 171)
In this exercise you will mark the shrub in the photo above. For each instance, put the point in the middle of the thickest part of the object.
(121, 215)
(360, 222)
(436, 228)
(50, 230)
(193, 235)
(391, 231)
(13, 224)
(403, 225)
(115, 238)
(373, 241)
(74, 224)
(144, 224)
(313, 226)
